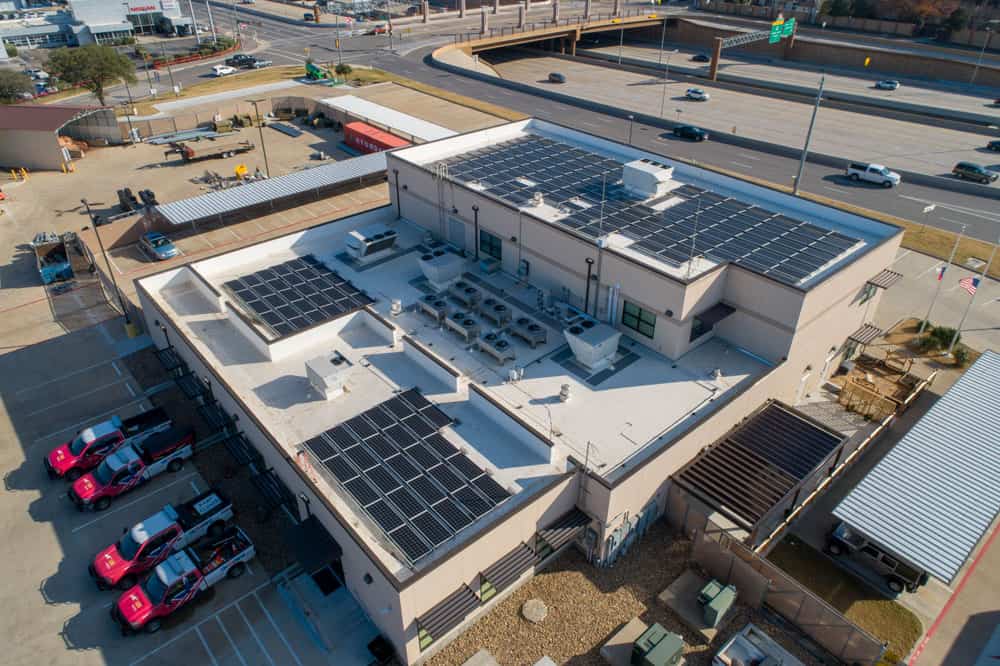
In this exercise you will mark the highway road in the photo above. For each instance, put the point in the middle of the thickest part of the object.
(287, 44)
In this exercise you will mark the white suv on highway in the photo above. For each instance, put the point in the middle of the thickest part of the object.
(873, 173)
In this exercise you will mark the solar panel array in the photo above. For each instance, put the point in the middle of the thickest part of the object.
(297, 294)
(416, 486)
(718, 227)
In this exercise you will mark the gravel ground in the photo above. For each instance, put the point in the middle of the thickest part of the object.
(586, 605)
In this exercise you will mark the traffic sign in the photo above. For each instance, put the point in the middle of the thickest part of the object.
(776, 29)
(788, 27)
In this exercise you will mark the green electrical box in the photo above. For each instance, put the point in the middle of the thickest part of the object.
(657, 647)
(717, 608)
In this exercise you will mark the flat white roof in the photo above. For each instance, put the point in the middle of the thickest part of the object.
(400, 122)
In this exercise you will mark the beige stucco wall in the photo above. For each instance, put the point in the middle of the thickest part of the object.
(38, 151)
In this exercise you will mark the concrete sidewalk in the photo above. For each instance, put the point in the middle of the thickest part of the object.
(898, 144)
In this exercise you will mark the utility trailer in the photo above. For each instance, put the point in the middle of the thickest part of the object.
(51, 257)
(208, 150)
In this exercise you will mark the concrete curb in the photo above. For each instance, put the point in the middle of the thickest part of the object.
(735, 140)
(962, 117)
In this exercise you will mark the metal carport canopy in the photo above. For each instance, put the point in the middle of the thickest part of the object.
(934, 495)
(279, 187)
(397, 121)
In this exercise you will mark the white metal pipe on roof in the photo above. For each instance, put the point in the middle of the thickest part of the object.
(400, 122)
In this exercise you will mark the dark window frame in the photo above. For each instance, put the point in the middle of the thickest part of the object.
(490, 244)
(638, 319)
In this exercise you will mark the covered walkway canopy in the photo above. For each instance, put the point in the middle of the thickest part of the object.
(931, 499)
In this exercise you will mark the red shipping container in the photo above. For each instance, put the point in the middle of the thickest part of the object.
(367, 139)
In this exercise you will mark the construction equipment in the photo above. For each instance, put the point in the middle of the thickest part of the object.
(316, 73)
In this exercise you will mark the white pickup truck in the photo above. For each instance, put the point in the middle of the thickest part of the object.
(873, 173)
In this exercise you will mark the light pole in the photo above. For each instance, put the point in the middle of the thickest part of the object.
(666, 79)
(663, 38)
(631, 121)
(194, 21)
(805, 148)
(927, 211)
(260, 128)
(972, 297)
(111, 273)
(388, 22)
(944, 268)
(621, 43)
(986, 42)
(211, 22)
(131, 110)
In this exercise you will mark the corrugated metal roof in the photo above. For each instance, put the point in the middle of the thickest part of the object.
(886, 279)
(41, 117)
(394, 120)
(866, 334)
(252, 194)
(934, 495)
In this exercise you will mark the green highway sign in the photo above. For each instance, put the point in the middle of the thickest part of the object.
(775, 36)
(788, 27)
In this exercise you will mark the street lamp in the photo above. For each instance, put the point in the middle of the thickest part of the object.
(111, 273)
(666, 79)
(809, 133)
(631, 121)
(260, 128)
(986, 42)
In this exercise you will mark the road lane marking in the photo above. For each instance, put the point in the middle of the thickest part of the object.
(239, 655)
(121, 507)
(277, 629)
(749, 157)
(131, 391)
(835, 189)
(204, 644)
(254, 634)
(207, 619)
(965, 210)
(741, 164)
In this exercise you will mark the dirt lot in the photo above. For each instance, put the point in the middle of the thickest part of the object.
(586, 605)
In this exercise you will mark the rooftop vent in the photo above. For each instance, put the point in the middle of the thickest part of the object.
(647, 179)
(594, 344)
(328, 374)
(363, 243)
(441, 268)
(537, 199)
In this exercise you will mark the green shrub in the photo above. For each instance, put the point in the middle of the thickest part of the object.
(343, 69)
(11, 49)
(961, 355)
(943, 335)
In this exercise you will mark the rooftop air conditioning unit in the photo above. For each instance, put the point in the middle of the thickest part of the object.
(441, 268)
(594, 344)
(328, 374)
(647, 180)
(537, 199)
(363, 244)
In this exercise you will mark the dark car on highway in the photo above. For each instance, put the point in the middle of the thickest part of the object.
(701, 57)
(556, 77)
(245, 61)
(993, 145)
(976, 172)
(690, 132)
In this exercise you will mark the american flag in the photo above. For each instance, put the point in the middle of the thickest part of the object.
(969, 284)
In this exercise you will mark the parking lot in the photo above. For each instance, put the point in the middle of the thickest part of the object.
(55, 613)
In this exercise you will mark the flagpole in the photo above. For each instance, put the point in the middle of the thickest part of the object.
(937, 291)
(972, 297)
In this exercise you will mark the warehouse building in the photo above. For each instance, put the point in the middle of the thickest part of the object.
(29, 133)
(516, 356)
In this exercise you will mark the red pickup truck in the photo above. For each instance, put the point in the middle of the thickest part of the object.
(131, 466)
(92, 445)
(146, 544)
(180, 580)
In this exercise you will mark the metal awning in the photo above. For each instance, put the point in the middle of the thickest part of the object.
(448, 614)
(510, 567)
(886, 279)
(397, 121)
(565, 529)
(312, 545)
(272, 489)
(866, 334)
(760, 462)
(934, 495)
(715, 314)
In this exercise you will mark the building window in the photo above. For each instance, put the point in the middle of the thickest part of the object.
(639, 320)
(490, 245)
(868, 293)
(698, 329)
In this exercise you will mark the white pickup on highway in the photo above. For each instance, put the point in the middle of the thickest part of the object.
(873, 173)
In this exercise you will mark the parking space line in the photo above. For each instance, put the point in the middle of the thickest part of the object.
(114, 364)
(207, 619)
(194, 486)
(204, 644)
(253, 633)
(92, 419)
(75, 398)
(131, 391)
(239, 655)
(125, 506)
(277, 630)
(63, 377)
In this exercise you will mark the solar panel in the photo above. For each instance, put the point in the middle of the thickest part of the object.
(414, 484)
(285, 297)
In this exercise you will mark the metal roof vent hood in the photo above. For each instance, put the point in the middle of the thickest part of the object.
(441, 268)
(328, 374)
(594, 344)
(647, 179)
